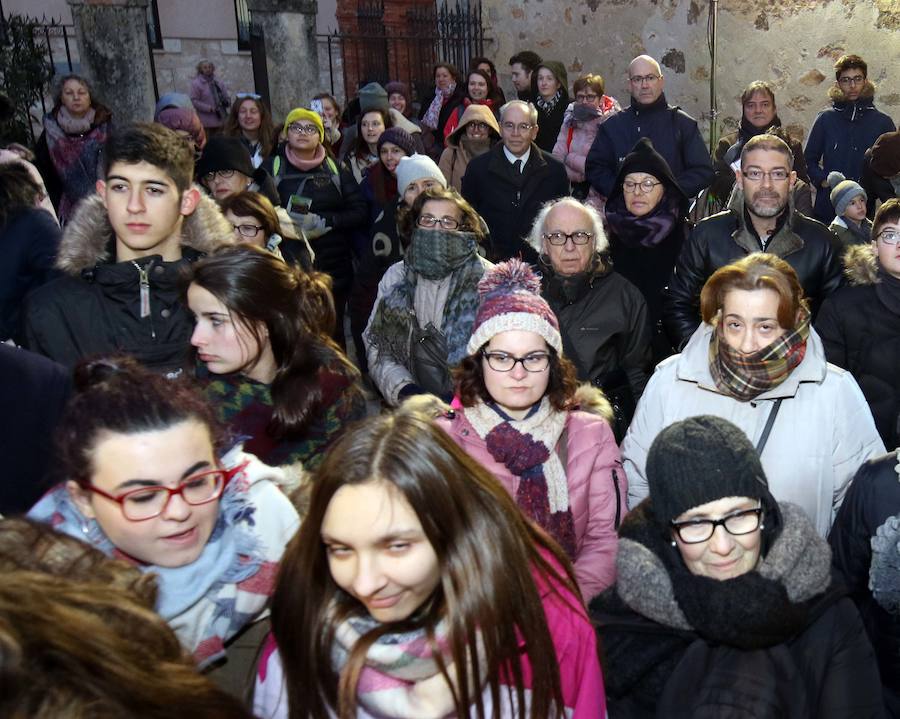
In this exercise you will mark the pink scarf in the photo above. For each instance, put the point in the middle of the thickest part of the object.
(305, 165)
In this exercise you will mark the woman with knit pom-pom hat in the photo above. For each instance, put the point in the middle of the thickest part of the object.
(521, 417)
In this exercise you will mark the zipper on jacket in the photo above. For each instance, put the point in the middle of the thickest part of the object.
(615, 479)
(144, 278)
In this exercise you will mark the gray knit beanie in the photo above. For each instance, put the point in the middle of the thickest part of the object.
(699, 460)
(843, 191)
(373, 97)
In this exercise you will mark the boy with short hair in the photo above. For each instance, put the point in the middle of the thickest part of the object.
(120, 257)
(849, 200)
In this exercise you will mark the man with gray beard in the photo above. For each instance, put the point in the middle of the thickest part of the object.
(767, 222)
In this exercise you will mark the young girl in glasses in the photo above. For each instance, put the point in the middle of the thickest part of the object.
(519, 418)
(147, 482)
(416, 589)
(426, 302)
(725, 605)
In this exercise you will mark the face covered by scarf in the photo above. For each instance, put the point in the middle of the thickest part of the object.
(746, 376)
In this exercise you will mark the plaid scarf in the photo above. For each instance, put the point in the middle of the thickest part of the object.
(433, 254)
(745, 377)
(527, 448)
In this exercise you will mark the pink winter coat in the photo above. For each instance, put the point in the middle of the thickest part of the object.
(203, 96)
(574, 154)
(597, 490)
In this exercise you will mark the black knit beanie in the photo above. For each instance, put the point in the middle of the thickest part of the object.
(699, 460)
(225, 153)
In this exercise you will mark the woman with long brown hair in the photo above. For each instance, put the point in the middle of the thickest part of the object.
(263, 332)
(250, 120)
(415, 588)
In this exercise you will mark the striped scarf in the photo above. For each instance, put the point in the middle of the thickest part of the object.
(745, 377)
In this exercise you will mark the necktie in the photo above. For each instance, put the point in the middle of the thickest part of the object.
(517, 166)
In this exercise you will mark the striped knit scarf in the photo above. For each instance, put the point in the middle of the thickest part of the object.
(745, 377)
(400, 678)
(527, 448)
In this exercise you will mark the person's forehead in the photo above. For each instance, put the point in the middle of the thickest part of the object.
(516, 113)
(140, 172)
(565, 213)
(440, 207)
(766, 158)
(640, 176)
(640, 66)
(852, 72)
(759, 96)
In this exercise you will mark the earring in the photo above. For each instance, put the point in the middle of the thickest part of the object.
(673, 543)
(762, 527)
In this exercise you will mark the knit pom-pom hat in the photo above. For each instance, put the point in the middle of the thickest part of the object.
(511, 300)
(843, 191)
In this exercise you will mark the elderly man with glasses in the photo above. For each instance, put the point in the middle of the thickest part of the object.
(672, 131)
(765, 222)
(508, 184)
(841, 134)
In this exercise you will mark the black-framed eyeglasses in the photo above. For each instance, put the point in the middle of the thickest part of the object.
(503, 362)
(645, 185)
(855, 80)
(429, 221)
(247, 230)
(478, 125)
(580, 237)
(695, 531)
(299, 129)
(641, 79)
(888, 237)
(586, 97)
(224, 174)
(754, 174)
(139, 505)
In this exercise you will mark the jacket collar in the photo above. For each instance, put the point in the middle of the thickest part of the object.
(657, 105)
(88, 238)
(692, 365)
(783, 242)
(535, 159)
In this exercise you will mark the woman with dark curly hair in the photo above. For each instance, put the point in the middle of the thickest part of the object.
(519, 418)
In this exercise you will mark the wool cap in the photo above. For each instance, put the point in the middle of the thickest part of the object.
(373, 97)
(843, 191)
(702, 459)
(510, 295)
(186, 119)
(224, 153)
(886, 155)
(399, 137)
(559, 72)
(418, 167)
(301, 113)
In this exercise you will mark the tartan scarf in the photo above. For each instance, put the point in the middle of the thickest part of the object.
(400, 678)
(433, 113)
(745, 377)
(527, 448)
(433, 254)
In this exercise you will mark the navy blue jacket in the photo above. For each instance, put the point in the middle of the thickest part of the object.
(674, 135)
(838, 140)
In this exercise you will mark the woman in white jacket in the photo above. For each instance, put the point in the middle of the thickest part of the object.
(756, 362)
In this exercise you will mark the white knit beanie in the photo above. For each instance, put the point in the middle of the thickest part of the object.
(417, 167)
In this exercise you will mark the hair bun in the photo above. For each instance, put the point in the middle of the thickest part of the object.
(514, 275)
(93, 372)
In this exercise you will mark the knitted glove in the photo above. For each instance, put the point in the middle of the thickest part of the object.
(310, 224)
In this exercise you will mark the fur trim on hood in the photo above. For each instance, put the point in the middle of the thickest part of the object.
(592, 400)
(88, 237)
(860, 265)
(835, 94)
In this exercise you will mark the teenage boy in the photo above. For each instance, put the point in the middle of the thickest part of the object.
(120, 257)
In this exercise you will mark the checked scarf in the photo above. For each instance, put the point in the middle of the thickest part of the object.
(527, 448)
(745, 377)
(433, 254)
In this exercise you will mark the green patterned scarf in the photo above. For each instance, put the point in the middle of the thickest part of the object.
(745, 377)
(433, 254)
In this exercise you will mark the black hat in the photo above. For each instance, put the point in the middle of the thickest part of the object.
(225, 153)
(644, 158)
(699, 460)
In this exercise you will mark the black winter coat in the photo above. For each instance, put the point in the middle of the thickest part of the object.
(805, 244)
(861, 333)
(509, 203)
(344, 211)
(674, 134)
(549, 123)
(95, 307)
(873, 499)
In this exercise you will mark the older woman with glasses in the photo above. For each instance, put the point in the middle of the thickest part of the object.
(603, 318)
(256, 222)
(645, 215)
(860, 324)
(426, 303)
(725, 604)
(522, 419)
(150, 481)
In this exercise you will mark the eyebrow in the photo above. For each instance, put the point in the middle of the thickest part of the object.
(754, 319)
(215, 314)
(737, 508)
(385, 539)
(161, 183)
(156, 483)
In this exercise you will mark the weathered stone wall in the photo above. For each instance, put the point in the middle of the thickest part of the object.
(790, 43)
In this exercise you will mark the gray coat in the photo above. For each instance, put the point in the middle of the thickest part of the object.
(823, 432)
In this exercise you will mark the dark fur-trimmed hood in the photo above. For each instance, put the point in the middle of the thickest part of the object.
(861, 265)
(88, 237)
(835, 94)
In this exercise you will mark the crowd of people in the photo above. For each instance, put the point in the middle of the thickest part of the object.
(452, 404)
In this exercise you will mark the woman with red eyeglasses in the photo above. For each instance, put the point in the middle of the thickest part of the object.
(147, 484)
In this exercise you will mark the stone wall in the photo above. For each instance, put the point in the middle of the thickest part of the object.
(792, 44)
